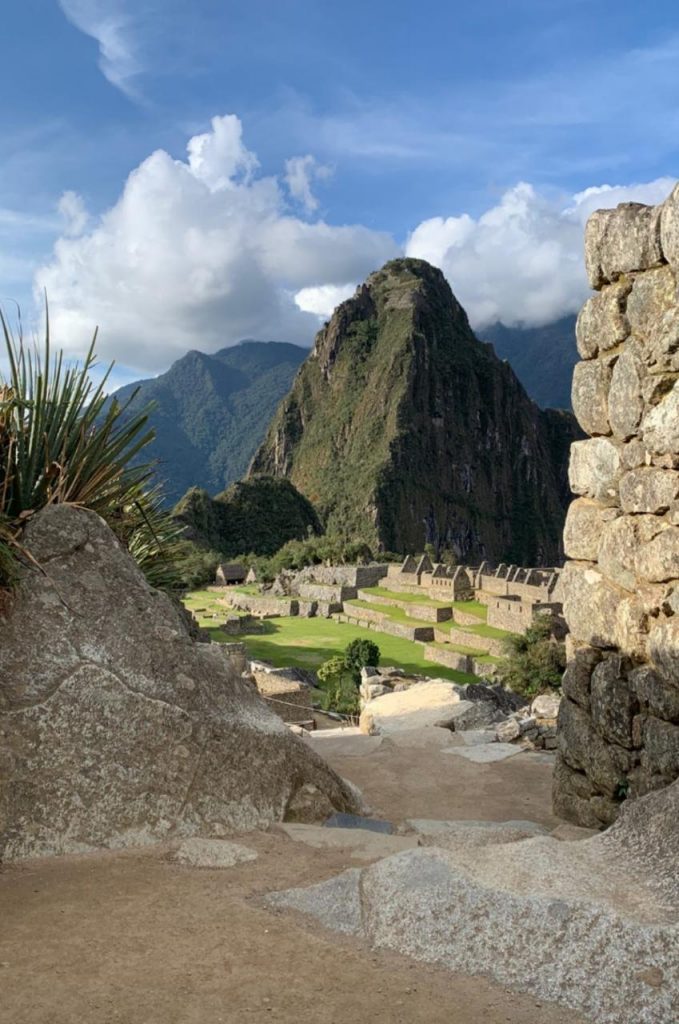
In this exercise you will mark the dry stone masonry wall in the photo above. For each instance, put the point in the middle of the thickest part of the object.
(619, 723)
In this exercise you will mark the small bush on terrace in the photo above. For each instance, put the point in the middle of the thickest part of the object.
(339, 692)
(63, 441)
(535, 662)
(358, 654)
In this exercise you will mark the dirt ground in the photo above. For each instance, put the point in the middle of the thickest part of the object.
(132, 938)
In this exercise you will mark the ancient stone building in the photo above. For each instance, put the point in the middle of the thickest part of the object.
(619, 722)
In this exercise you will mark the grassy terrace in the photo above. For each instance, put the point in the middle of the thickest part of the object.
(481, 630)
(481, 656)
(307, 643)
(398, 615)
(472, 607)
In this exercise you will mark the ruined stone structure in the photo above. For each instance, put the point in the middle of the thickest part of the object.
(619, 724)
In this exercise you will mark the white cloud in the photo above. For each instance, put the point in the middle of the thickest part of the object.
(110, 25)
(522, 260)
(198, 254)
(300, 173)
(322, 300)
(73, 210)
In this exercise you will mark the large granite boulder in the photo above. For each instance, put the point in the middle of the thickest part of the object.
(116, 726)
(591, 924)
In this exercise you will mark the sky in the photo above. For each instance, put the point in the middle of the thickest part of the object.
(188, 173)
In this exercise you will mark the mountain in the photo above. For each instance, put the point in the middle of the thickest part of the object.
(250, 517)
(403, 429)
(212, 411)
(541, 357)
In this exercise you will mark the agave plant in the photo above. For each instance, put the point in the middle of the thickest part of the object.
(62, 440)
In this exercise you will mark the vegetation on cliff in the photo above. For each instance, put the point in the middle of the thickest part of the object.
(252, 516)
(210, 412)
(404, 430)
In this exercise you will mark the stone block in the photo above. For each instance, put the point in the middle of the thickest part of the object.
(660, 754)
(618, 550)
(648, 489)
(625, 404)
(581, 747)
(584, 525)
(590, 604)
(655, 694)
(623, 240)
(595, 469)
(589, 395)
(664, 648)
(602, 323)
(613, 702)
(657, 560)
(660, 425)
(577, 677)
(669, 228)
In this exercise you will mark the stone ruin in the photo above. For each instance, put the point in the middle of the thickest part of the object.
(117, 726)
(619, 723)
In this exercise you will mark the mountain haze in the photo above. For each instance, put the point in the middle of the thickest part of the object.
(212, 411)
(402, 429)
(541, 357)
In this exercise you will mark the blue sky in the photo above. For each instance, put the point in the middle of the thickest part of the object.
(464, 133)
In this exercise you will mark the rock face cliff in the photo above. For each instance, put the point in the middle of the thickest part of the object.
(403, 429)
(117, 728)
(618, 728)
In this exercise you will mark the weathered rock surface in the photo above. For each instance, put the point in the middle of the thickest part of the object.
(619, 726)
(591, 924)
(212, 853)
(116, 727)
(422, 705)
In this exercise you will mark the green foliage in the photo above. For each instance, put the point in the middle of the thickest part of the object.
(535, 661)
(339, 692)
(195, 565)
(63, 441)
(258, 516)
(358, 654)
(298, 554)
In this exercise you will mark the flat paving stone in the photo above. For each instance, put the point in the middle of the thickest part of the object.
(361, 844)
(486, 753)
(359, 821)
(434, 827)
(476, 737)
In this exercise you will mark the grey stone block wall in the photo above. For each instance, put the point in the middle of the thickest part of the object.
(618, 729)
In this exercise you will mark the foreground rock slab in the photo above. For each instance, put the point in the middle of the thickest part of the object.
(117, 728)
(420, 706)
(591, 924)
(486, 753)
(361, 843)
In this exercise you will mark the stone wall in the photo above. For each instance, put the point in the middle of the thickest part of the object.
(515, 615)
(264, 607)
(333, 593)
(618, 731)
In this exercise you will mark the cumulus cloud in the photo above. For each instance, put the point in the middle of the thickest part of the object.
(323, 299)
(521, 261)
(300, 173)
(73, 210)
(197, 253)
(110, 25)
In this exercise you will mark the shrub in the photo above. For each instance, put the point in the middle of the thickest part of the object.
(63, 441)
(535, 662)
(358, 654)
(339, 692)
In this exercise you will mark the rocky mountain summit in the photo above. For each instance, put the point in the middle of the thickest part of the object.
(403, 429)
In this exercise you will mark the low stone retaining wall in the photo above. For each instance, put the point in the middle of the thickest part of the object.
(451, 659)
(347, 575)
(392, 583)
(491, 645)
(332, 593)
(265, 607)
(307, 609)
(291, 701)
(466, 618)
(517, 615)
(415, 611)
(368, 619)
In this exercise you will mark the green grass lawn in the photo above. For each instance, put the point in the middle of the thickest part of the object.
(389, 612)
(410, 598)
(476, 608)
(307, 643)
(481, 630)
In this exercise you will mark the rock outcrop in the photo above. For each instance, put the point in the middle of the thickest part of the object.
(403, 429)
(116, 727)
(591, 924)
(618, 730)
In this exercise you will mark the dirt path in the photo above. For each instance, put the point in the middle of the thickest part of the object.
(134, 939)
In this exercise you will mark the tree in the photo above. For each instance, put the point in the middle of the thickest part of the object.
(535, 661)
(358, 654)
(338, 688)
